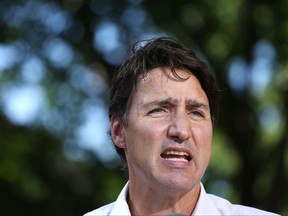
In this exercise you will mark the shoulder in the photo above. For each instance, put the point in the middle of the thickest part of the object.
(209, 204)
(104, 210)
(227, 208)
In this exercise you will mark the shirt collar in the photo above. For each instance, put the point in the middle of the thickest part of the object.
(121, 206)
(204, 206)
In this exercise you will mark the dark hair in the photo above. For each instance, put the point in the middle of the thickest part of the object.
(164, 52)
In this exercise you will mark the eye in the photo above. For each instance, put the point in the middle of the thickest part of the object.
(197, 113)
(156, 110)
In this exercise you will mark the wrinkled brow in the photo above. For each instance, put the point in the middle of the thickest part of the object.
(161, 102)
(173, 102)
(196, 104)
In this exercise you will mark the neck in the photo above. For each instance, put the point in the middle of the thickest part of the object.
(155, 201)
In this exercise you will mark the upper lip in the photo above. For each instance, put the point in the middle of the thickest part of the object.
(177, 151)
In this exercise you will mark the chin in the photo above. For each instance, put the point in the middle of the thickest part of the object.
(179, 184)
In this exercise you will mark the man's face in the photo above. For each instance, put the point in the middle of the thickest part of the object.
(168, 132)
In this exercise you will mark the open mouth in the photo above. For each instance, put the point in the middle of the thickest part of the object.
(176, 155)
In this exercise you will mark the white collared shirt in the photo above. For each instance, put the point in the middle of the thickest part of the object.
(207, 204)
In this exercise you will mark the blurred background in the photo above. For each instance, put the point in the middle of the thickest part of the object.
(57, 58)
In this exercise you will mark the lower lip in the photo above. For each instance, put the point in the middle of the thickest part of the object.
(176, 163)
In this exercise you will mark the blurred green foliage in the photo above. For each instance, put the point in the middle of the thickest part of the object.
(67, 52)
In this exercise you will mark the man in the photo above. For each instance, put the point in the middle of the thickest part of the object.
(162, 111)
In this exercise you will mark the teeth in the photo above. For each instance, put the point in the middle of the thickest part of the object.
(176, 153)
(176, 159)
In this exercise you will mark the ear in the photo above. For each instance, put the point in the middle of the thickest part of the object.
(117, 132)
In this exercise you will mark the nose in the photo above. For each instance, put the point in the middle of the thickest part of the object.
(180, 128)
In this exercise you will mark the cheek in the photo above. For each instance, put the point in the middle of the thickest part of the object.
(203, 144)
(203, 138)
(144, 137)
(138, 137)
(149, 130)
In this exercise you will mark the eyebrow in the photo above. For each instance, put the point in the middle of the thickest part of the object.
(197, 104)
(160, 102)
(170, 101)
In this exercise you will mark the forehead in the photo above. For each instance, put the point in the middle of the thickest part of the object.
(161, 82)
